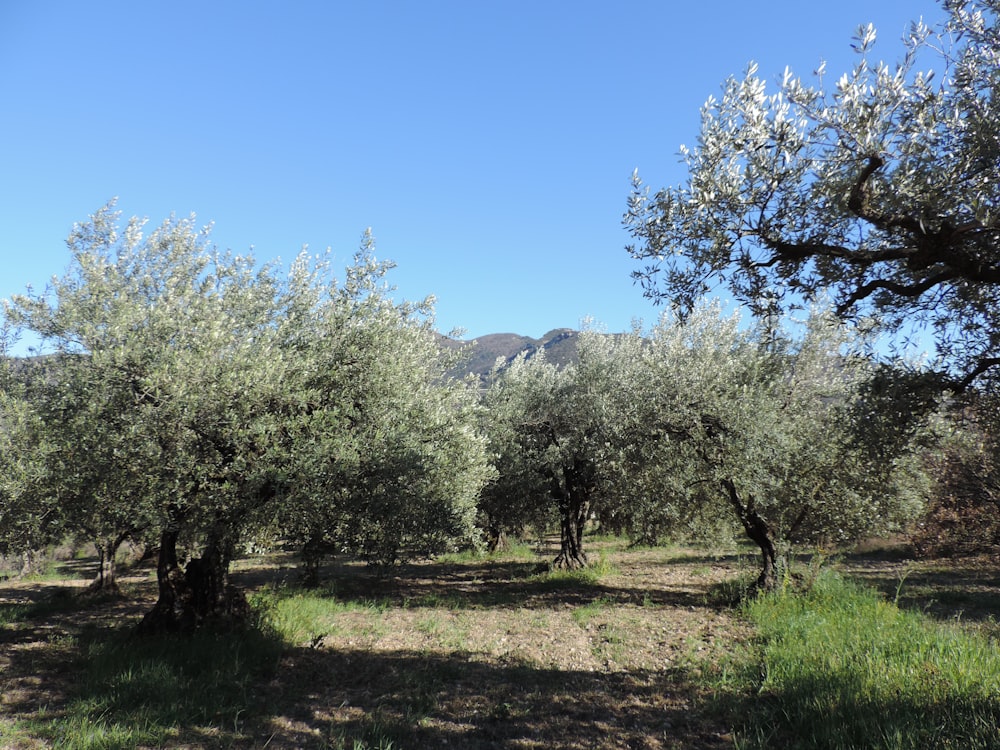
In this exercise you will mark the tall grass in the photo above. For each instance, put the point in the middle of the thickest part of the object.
(839, 667)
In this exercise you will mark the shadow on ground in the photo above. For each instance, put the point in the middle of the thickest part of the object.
(418, 700)
(966, 589)
(507, 585)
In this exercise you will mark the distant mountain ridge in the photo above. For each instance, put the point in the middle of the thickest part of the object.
(559, 345)
(480, 355)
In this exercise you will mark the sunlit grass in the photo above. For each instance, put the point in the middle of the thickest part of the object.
(840, 667)
(593, 574)
(515, 551)
(307, 616)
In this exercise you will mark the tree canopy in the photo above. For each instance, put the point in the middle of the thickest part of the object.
(196, 397)
(768, 429)
(880, 188)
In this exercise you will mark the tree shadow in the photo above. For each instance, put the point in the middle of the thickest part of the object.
(417, 700)
(965, 589)
(499, 585)
(247, 690)
(122, 691)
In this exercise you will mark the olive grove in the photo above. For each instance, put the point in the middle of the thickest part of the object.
(701, 427)
(196, 399)
(770, 429)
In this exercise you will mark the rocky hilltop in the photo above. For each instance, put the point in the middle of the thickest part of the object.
(482, 353)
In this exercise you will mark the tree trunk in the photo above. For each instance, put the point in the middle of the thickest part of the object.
(573, 507)
(27, 562)
(759, 532)
(200, 595)
(107, 550)
(167, 614)
(496, 535)
(312, 558)
(498, 541)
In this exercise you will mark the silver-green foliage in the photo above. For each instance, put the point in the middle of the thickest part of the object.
(549, 430)
(700, 424)
(879, 188)
(764, 427)
(386, 458)
(194, 391)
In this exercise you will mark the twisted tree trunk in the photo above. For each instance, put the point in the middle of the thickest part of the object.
(200, 595)
(573, 496)
(759, 532)
(107, 549)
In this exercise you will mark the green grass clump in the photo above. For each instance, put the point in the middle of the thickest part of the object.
(840, 667)
(583, 614)
(306, 616)
(591, 575)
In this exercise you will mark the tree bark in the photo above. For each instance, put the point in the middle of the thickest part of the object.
(312, 558)
(497, 540)
(27, 562)
(574, 503)
(200, 595)
(759, 532)
(107, 549)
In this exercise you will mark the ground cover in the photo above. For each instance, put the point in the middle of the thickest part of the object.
(644, 651)
(842, 667)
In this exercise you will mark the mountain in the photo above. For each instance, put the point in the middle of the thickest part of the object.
(481, 354)
(478, 355)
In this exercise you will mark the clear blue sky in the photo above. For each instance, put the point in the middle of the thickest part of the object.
(489, 145)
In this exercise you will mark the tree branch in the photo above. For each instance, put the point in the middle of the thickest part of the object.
(903, 290)
(982, 366)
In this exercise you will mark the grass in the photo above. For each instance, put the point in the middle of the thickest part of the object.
(133, 692)
(518, 551)
(307, 617)
(592, 575)
(841, 667)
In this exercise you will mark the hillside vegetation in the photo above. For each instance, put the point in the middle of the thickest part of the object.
(481, 355)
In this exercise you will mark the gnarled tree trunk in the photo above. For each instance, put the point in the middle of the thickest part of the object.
(27, 562)
(574, 503)
(107, 549)
(200, 595)
(759, 532)
(496, 538)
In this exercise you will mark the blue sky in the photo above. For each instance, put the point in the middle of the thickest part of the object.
(489, 145)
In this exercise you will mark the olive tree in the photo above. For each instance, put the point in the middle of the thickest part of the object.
(549, 431)
(167, 361)
(386, 459)
(70, 471)
(206, 399)
(880, 188)
(767, 426)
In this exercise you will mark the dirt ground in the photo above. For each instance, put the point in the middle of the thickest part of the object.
(471, 654)
(512, 660)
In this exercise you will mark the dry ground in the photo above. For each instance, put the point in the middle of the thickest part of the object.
(468, 653)
(484, 654)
